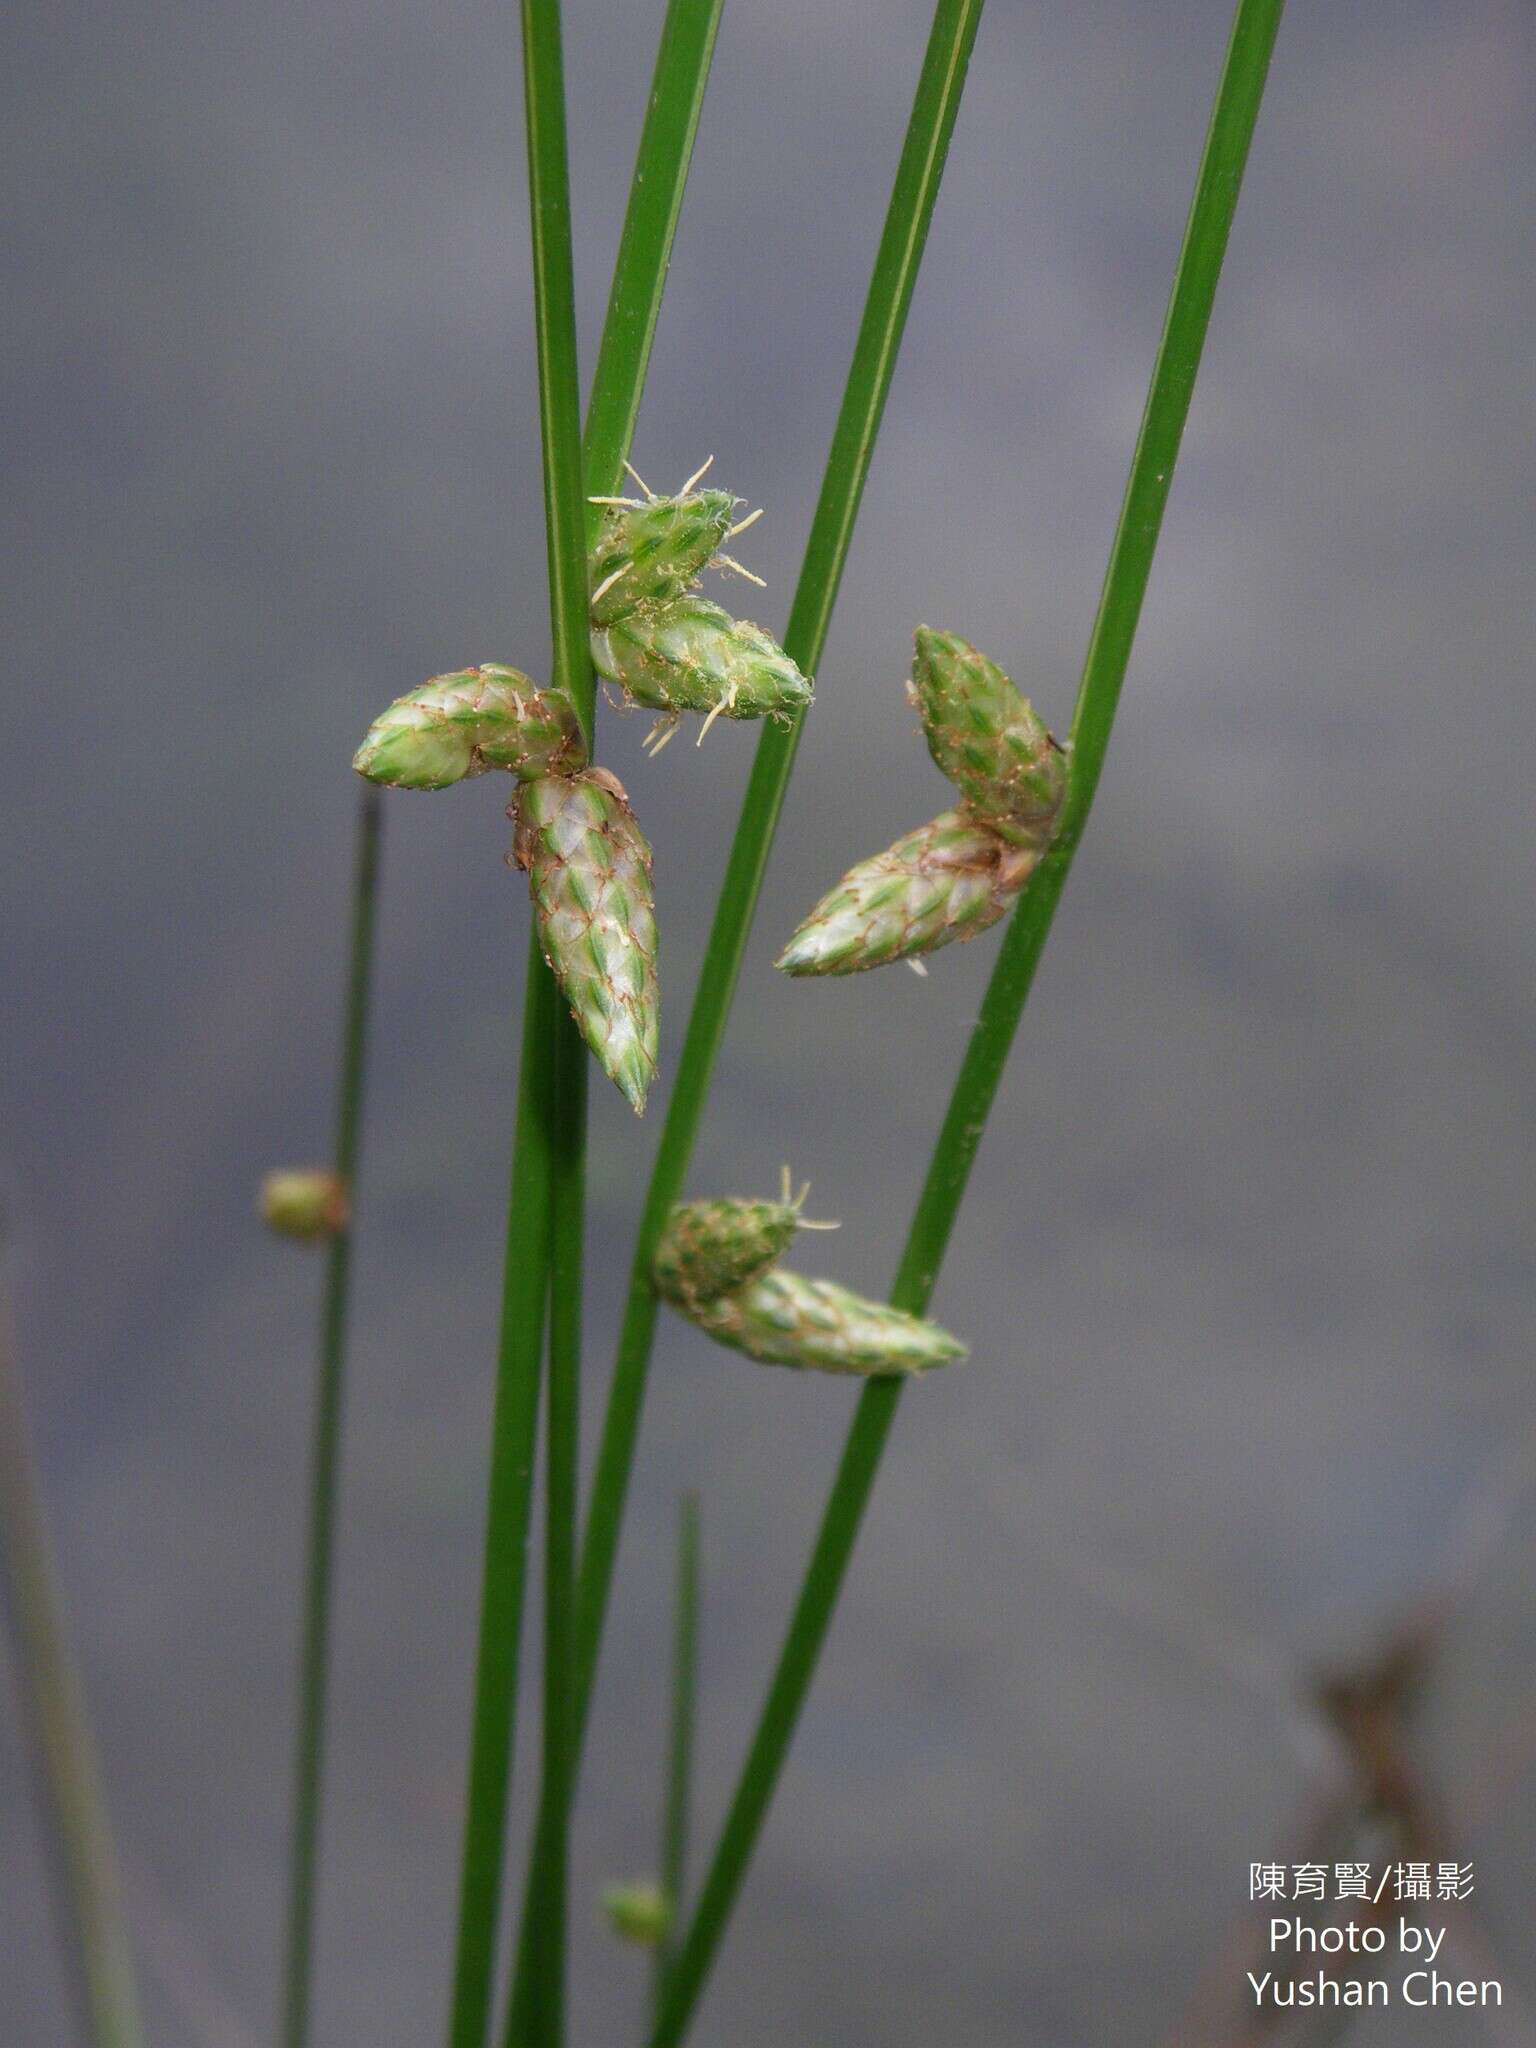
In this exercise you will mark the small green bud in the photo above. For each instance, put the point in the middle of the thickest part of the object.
(641, 1913)
(650, 553)
(691, 656)
(782, 1319)
(950, 879)
(987, 739)
(589, 874)
(462, 724)
(307, 1202)
(712, 1248)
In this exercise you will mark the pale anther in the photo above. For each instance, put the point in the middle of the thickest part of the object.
(725, 562)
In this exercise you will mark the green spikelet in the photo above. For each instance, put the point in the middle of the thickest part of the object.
(640, 1913)
(589, 873)
(307, 1202)
(649, 554)
(691, 656)
(948, 880)
(712, 1248)
(782, 1319)
(472, 720)
(987, 739)
(713, 1264)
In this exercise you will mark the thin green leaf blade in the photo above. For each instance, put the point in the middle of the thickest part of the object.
(672, 111)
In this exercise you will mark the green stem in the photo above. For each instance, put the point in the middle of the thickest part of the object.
(869, 381)
(325, 1454)
(685, 1682)
(1226, 151)
(554, 313)
(76, 1827)
(634, 301)
(565, 520)
(661, 169)
(549, 1867)
(645, 246)
(514, 1427)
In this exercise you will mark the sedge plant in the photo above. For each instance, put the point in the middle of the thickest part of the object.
(624, 598)
(623, 601)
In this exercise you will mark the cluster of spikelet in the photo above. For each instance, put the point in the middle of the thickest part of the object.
(964, 870)
(717, 1264)
(656, 639)
(587, 861)
(659, 642)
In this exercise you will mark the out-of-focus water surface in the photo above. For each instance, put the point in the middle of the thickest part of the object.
(1247, 1261)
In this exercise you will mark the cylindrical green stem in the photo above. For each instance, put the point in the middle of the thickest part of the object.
(634, 302)
(549, 1869)
(514, 1429)
(677, 1803)
(655, 199)
(565, 519)
(73, 1813)
(325, 1454)
(554, 313)
(672, 111)
(1226, 151)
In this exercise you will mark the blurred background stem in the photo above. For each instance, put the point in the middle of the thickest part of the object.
(71, 1807)
(325, 1451)
(683, 1703)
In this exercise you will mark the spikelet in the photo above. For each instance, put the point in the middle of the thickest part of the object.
(640, 1913)
(711, 1248)
(589, 874)
(783, 1319)
(691, 656)
(467, 722)
(309, 1203)
(948, 880)
(650, 553)
(715, 1263)
(987, 739)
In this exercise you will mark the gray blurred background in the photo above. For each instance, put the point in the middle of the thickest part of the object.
(1247, 1260)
